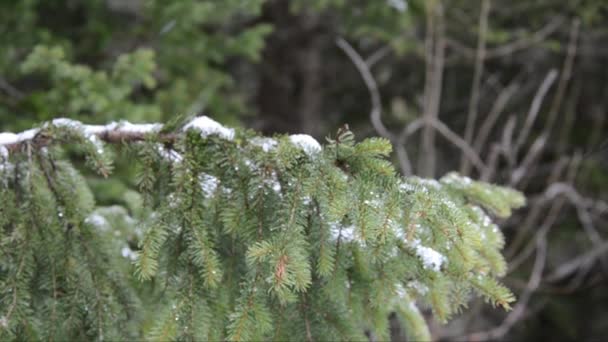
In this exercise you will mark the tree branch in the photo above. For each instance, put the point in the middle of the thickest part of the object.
(475, 87)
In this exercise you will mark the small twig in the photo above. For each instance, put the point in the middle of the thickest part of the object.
(370, 83)
(582, 212)
(520, 308)
(554, 211)
(376, 111)
(565, 74)
(532, 155)
(435, 60)
(492, 117)
(10, 89)
(535, 210)
(377, 55)
(514, 46)
(475, 87)
(534, 110)
(459, 142)
(571, 266)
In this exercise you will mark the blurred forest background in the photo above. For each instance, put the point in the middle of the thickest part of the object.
(509, 91)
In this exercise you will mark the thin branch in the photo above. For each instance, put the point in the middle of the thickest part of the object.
(110, 133)
(378, 55)
(491, 119)
(579, 203)
(435, 60)
(475, 87)
(534, 109)
(459, 142)
(10, 89)
(532, 155)
(514, 46)
(556, 208)
(521, 44)
(520, 308)
(376, 111)
(573, 265)
(370, 83)
(566, 73)
(535, 210)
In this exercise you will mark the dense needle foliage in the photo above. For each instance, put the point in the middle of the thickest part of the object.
(235, 236)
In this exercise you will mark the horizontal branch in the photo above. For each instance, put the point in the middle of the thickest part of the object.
(114, 132)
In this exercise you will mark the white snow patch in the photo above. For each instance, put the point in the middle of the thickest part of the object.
(400, 290)
(128, 253)
(97, 220)
(209, 184)
(97, 143)
(209, 127)
(418, 287)
(88, 131)
(431, 259)
(267, 144)
(306, 200)
(126, 126)
(307, 143)
(169, 154)
(399, 5)
(346, 233)
(407, 187)
(8, 138)
(65, 122)
(430, 183)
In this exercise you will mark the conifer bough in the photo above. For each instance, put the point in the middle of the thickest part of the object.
(234, 236)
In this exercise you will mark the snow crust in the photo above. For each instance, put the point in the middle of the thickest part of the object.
(3, 153)
(208, 126)
(8, 138)
(346, 233)
(267, 144)
(399, 5)
(431, 259)
(305, 142)
(209, 184)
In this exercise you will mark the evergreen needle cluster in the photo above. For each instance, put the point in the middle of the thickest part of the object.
(234, 236)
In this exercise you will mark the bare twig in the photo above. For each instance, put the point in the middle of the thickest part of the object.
(581, 209)
(435, 59)
(459, 142)
(378, 55)
(534, 109)
(492, 117)
(376, 111)
(10, 89)
(532, 155)
(565, 74)
(514, 46)
(568, 116)
(475, 88)
(499, 148)
(571, 266)
(370, 83)
(521, 44)
(520, 308)
(556, 208)
(535, 210)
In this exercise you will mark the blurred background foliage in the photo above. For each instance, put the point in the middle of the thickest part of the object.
(274, 65)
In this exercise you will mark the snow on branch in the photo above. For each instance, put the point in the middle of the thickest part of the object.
(115, 131)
